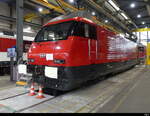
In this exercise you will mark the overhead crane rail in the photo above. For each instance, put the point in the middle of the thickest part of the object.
(29, 17)
(141, 30)
(67, 5)
(56, 8)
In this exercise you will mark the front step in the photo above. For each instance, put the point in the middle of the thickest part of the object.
(24, 80)
(21, 83)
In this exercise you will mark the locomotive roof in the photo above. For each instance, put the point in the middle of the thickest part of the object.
(86, 16)
(83, 14)
(79, 15)
(141, 45)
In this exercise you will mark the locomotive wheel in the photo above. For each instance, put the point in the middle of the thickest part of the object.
(101, 78)
(55, 92)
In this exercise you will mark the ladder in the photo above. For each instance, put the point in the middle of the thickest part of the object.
(23, 78)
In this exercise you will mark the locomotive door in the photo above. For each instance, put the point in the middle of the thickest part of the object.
(90, 32)
(92, 50)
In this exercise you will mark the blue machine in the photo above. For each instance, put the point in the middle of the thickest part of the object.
(11, 52)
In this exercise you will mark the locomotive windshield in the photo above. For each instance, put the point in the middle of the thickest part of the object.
(54, 32)
(61, 31)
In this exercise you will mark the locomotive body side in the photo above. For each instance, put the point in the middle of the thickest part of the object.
(86, 53)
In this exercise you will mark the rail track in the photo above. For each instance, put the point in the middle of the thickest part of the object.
(21, 102)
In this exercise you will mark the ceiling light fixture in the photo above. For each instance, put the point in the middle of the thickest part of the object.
(40, 9)
(132, 5)
(138, 16)
(143, 22)
(93, 13)
(106, 21)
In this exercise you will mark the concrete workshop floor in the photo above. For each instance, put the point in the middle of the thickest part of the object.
(5, 82)
(133, 99)
(127, 92)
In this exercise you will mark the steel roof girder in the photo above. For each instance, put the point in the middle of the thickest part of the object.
(51, 6)
(100, 9)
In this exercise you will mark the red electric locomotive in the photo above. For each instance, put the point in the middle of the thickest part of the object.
(70, 50)
(10, 42)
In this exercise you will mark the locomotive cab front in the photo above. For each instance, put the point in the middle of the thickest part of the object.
(59, 53)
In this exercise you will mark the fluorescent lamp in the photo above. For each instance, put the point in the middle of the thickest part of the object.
(114, 5)
(130, 21)
(45, 1)
(124, 16)
(71, 1)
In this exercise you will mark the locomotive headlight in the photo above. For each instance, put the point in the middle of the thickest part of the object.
(58, 47)
(33, 47)
(30, 50)
(31, 60)
(58, 61)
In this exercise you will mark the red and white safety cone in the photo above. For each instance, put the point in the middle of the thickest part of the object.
(32, 92)
(40, 93)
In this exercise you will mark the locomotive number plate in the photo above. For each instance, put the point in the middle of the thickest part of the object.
(51, 72)
(49, 57)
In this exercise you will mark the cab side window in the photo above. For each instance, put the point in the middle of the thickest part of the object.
(141, 49)
(79, 29)
(85, 30)
(92, 32)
